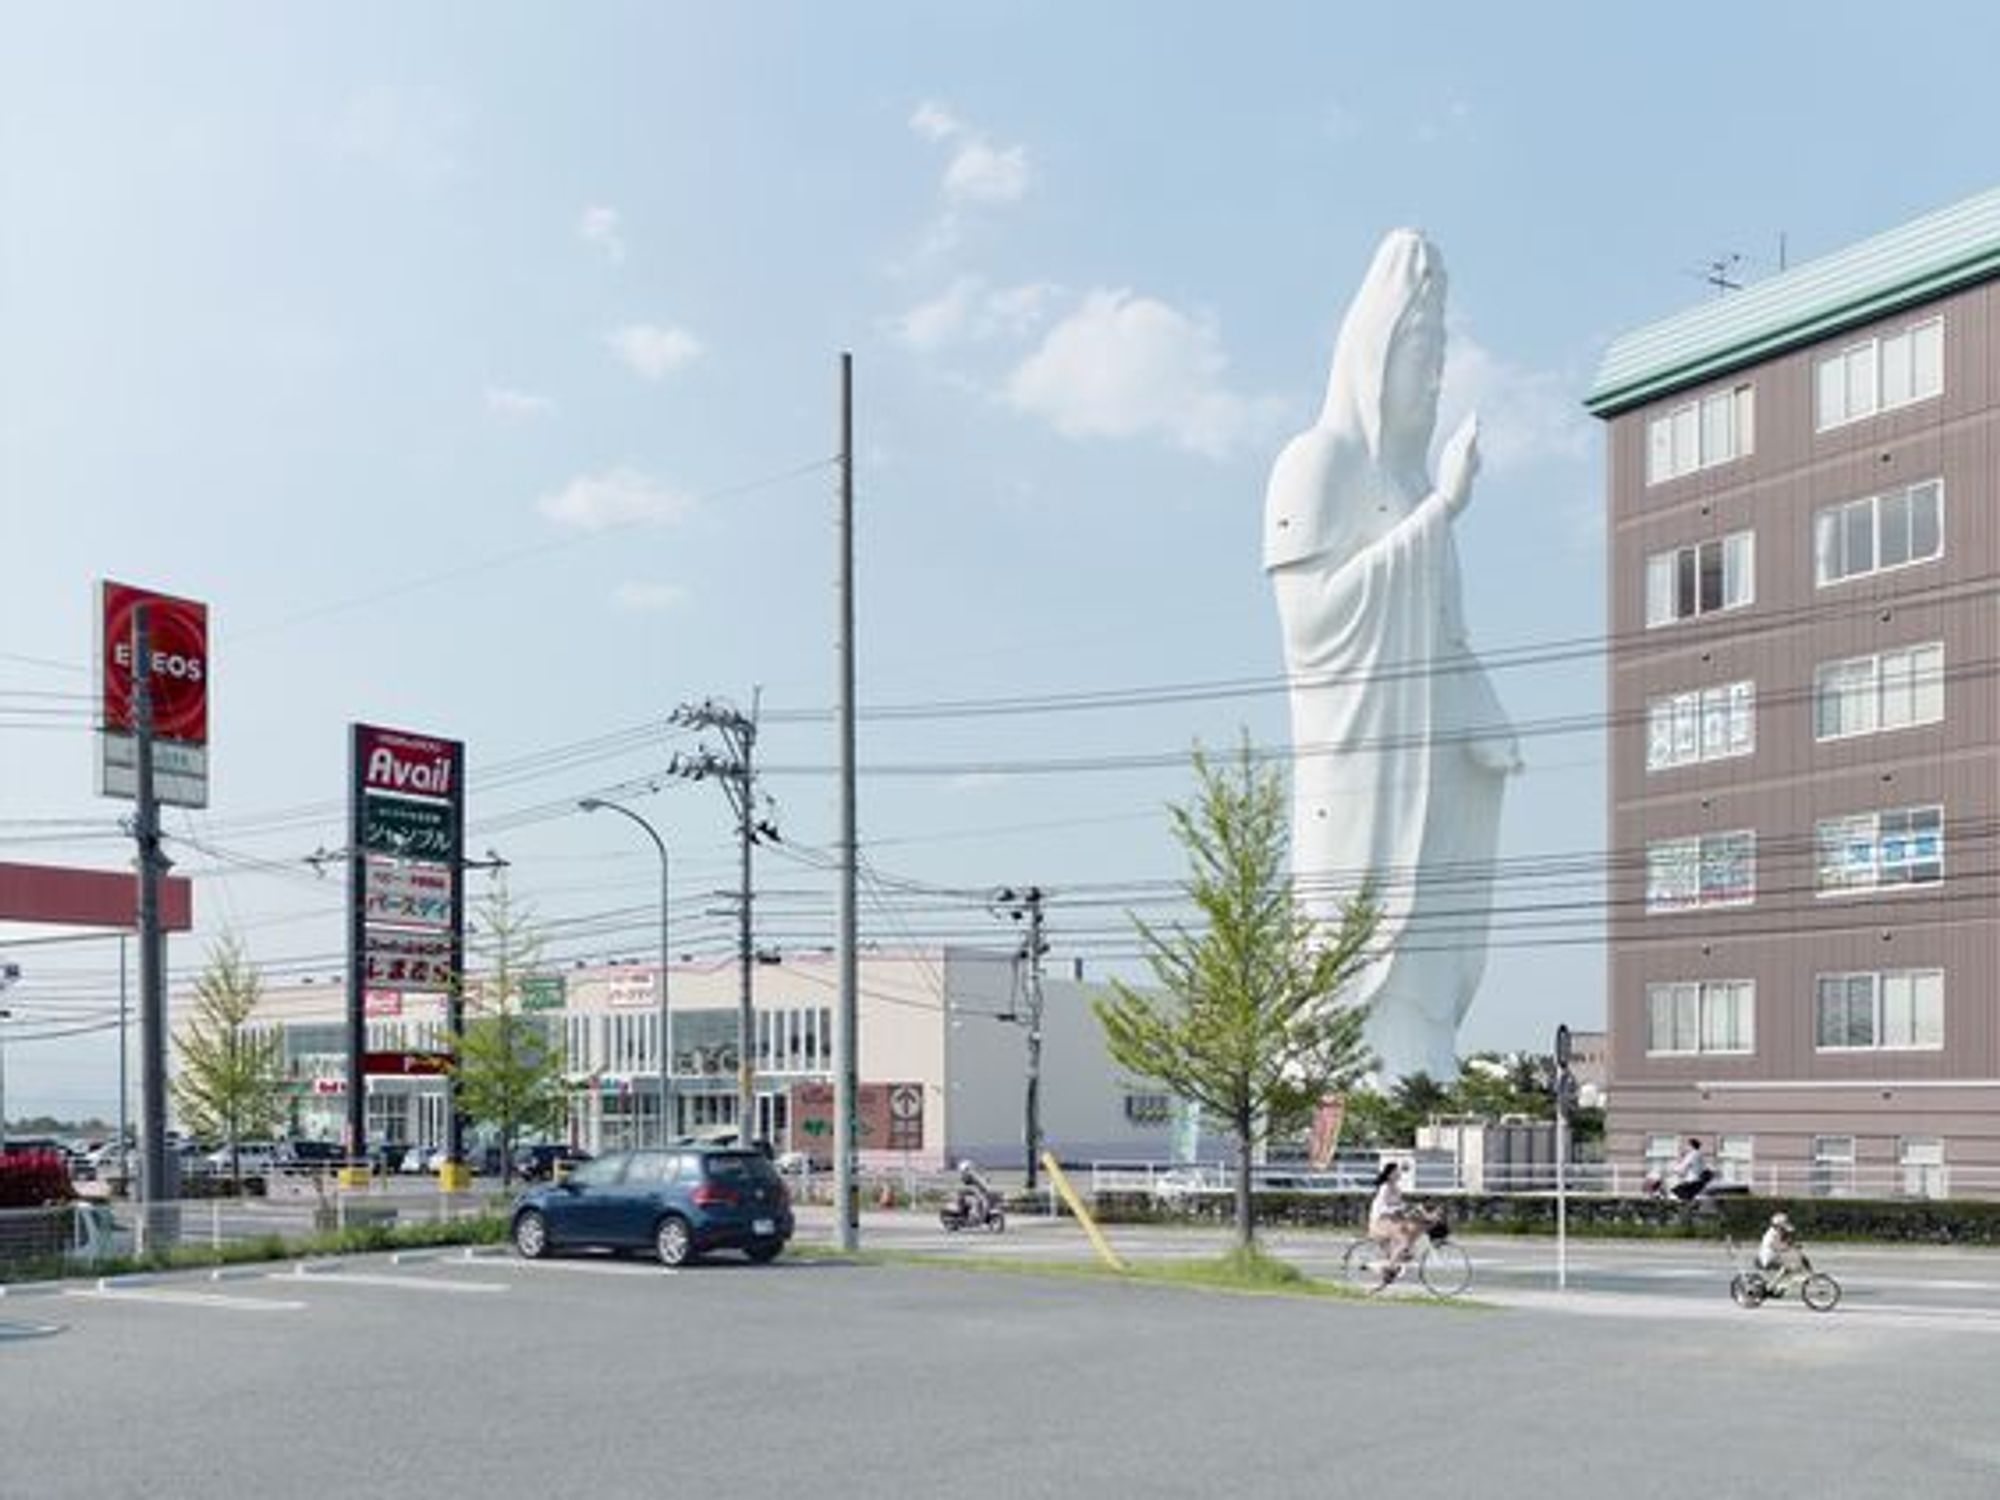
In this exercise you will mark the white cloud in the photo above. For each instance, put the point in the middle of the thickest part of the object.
(1525, 416)
(653, 352)
(412, 133)
(601, 229)
(981, 172)
(648, 598)
(934, 122)
(617, 497)
(517, 406)
(972, 311)
(1128, 366)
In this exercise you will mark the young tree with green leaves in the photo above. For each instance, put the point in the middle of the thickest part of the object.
(1250, 1027)
(230, 1085)
(508, 1065)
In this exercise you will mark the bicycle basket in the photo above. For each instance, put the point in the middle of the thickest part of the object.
(1439, 1232)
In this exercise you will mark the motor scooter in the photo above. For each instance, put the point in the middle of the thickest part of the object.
(973, 1211)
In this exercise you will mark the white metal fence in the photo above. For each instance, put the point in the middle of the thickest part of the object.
(1426, 1172)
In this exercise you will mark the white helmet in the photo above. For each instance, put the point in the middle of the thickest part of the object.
(1781, 1221)
(967, 1166)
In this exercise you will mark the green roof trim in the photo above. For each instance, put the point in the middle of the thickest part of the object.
(1923, 259)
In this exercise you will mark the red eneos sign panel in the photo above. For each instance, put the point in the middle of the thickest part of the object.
(178, 631)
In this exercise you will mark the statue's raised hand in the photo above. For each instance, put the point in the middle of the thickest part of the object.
(1458, 463)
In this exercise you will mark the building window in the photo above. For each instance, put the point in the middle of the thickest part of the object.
(1662, 1151)
(1832, 1164)
(1713, 869)
(1922, 1159)
(1706, 724)
(1897, 1009)
(1878, 533)
(1716, 1015)
(1892, 690)
(1701, 579)
(1880, 374)
(1149, 1109)
(1870, 851)
(1736, 1158)
(1700, 434)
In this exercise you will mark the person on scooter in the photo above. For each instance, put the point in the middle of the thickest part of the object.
(1779, 1254)
(975, 1195)
(1692, 1172)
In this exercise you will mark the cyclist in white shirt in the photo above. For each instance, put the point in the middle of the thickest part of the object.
(1392, 1222)
(1692, 1172)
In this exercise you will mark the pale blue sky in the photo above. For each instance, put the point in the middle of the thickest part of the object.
(300, 305)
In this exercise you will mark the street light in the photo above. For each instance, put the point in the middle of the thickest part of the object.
(594, 804)
(10, 975)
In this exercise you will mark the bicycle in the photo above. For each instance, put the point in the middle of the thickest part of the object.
(1442, 1265)
(1753, 1288)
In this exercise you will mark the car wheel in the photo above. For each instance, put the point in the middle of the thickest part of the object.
(531, 1236)
(765, 1253)
(673, 1241)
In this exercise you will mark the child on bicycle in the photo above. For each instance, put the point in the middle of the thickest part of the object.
(1779, 1254)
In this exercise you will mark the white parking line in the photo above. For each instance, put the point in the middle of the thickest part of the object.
(301, 1276)
(185, 1299)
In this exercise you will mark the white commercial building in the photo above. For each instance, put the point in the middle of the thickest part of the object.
(943, 1051)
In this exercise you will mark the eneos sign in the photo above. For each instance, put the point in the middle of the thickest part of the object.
(177, 678)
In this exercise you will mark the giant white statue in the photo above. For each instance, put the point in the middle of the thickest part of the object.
(1401, 751)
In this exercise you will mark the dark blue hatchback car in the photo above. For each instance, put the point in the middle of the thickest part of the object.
(679, 1203)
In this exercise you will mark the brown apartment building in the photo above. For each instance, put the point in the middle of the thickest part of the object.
(1804, 546)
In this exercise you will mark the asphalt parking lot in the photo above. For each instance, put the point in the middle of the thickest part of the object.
(462, 1376)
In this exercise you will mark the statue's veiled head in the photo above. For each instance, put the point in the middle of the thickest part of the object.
(1389, 360)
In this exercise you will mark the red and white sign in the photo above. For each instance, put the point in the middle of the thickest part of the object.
(413, 765)
(629, 987)
(406, 960)
(177, 677)
(412, 895)
(178, 648)
(381, 1002)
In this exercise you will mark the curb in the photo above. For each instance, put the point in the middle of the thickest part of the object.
(33, 1289)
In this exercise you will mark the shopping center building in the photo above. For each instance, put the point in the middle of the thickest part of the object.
(1805, 733)
(942, 1058)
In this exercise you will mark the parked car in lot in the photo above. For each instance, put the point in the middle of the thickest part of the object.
(540, 1163)
(680, 1203)
(305, 1157)
(251, 1159)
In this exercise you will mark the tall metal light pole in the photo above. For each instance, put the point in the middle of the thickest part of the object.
(9, 974)
(594, 804)
(847, 1027)
(5, 1015)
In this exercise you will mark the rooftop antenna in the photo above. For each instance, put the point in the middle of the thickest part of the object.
(1720, 273)
(1782, 261)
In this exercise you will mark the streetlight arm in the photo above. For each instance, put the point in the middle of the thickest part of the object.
(593, 804)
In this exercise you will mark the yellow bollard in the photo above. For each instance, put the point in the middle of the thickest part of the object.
(1069, 1196)
(455, 1177)
(354, 1179)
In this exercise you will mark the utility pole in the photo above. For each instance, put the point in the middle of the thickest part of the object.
(154, 1187)
(735, 769)
(1019, 905)
(846, 1025)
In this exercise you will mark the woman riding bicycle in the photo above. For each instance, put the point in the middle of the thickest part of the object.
(1394, 1223)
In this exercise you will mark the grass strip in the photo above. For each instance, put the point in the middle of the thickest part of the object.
(1235, 1273)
